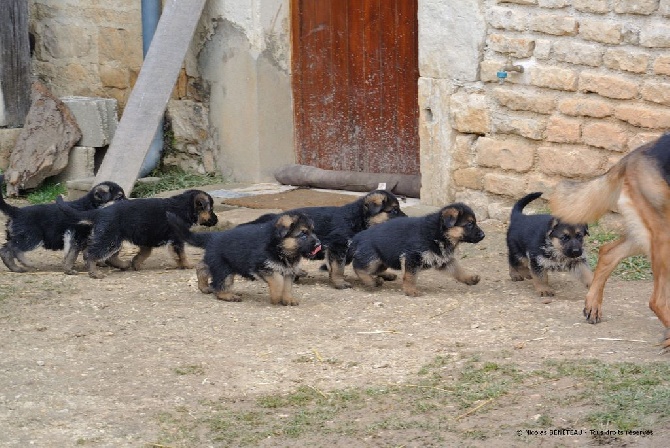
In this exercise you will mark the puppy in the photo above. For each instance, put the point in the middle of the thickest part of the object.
(269, 251)
(639, 186)
(537, 244)
(336, 226)
(415, 244)
(140, 222)
(46, 225)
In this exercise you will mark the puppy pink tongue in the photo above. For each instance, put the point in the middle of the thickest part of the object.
(316, 250)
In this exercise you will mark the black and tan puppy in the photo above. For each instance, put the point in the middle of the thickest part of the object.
(45, 225)
(537, 244)
(415, 244)
(141, 222)
(270, 250)
(336, 226)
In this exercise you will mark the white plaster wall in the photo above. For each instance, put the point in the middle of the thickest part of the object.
(246, 60)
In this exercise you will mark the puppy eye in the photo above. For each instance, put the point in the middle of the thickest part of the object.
(302, 235)
(565, 237)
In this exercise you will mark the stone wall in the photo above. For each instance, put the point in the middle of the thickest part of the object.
(595, 85)
(87, 48)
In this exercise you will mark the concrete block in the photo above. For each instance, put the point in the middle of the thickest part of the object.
(96, 117)
(80, 164)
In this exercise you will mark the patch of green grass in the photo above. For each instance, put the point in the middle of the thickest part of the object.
(444, 395)
(627, 395)
(631, 268)
(47, 192)
(173, 179)
(189, 370)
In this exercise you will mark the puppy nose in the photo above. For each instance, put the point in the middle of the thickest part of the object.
(576, 252)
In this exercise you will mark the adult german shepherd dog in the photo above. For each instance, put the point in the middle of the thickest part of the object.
(639, 184)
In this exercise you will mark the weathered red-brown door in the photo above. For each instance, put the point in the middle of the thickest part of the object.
(355, 73)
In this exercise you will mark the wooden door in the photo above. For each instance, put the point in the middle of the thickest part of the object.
(355, 73)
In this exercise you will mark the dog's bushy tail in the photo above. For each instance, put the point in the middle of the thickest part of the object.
(183, 232)
(6, 208)
(585, 202)
(524, 201)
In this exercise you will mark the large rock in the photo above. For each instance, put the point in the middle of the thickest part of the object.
(43, 147)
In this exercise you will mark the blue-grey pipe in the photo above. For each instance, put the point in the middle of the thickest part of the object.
(151, 13)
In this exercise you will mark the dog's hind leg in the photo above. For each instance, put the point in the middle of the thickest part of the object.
(203, 274)
(21, 256)
(142, 255)
(179, 255)
(518, 269)
(609, 257)
(336, 265)
(368, 273)
(71, 255)
(7, 255)
(660, 298)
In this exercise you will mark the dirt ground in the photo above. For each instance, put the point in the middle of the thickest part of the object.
(92, 362)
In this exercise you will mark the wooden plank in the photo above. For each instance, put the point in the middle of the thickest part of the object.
(14, 63)
(151, 92)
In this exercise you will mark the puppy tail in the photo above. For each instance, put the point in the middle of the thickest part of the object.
(584, 202)
(6, 208)
(182, 231)
(524, 201)
(81, 216)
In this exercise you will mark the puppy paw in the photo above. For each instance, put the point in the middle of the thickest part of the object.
(96, 275)
(342, 285)
(411, 292)
(71, 272)
(546, 292)
(471, 280)
(228, 297)
(388, 276)
(288, 301)
(517, 277)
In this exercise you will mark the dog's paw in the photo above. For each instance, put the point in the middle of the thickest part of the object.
(471, 280)
(96, 275)
(388, 276)
(411, 292)
(228, 297)
(546, 292)
(593, 314)
(517, 277)
(342, 285)
(71, 272)
(665, 342)
(288, 301)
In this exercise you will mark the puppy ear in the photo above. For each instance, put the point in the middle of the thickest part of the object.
(449, 217)
(101, 192)
(586, 229)
(554, 222)
(201, 203)
(374, 203)
(284, 225)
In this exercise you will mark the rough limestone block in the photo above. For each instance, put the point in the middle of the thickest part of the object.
(8, 138)
(43, 147)
(96, 117)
